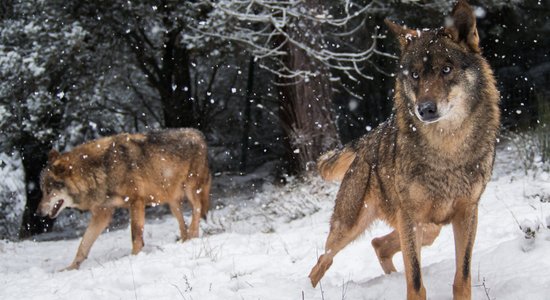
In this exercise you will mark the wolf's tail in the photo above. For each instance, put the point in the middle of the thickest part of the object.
(205, 197)
(334, 164)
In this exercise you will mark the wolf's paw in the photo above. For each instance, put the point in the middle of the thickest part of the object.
(386, 264)
(319, 270)
(73, 266)
(385, 261)
(182, 239)
(136, 247)
(192, 234)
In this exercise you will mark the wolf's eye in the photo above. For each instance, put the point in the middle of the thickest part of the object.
(56, 185)
(414, 75)
(446, 70)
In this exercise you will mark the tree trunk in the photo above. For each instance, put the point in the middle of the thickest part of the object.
(175, 84)
(34, 155)
(247, 116)
(306, 103)
(6, 9)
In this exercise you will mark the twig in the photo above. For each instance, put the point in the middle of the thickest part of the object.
(508, 208)
(486, 289)
(345, 287)
(178, 290)
(133, 278)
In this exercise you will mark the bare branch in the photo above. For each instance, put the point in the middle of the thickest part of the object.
(266, 27)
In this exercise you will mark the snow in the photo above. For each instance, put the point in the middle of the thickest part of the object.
(12, 191)
(262, 245)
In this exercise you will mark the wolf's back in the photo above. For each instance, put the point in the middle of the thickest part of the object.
(189, 145)
(334, 164)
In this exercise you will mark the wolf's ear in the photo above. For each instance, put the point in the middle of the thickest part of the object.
(461, 26)
(53, 155)
(403, 34)
(60, 168)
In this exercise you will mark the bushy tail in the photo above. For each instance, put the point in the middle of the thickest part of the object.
(334, 164)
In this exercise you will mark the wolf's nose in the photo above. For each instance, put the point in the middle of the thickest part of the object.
(427, 110)
(39, 212)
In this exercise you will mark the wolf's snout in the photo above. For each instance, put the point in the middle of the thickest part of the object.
(46, 209)
(427, 111)
(42, 211)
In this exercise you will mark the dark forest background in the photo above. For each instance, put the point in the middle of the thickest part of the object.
(274, 82)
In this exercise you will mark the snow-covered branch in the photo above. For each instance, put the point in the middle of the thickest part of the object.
(264, 27)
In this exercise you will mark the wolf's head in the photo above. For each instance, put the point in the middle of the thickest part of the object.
(439, 69)
(55, 193)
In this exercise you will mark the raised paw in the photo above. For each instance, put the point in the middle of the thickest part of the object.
(73, 266)
(385, 260)
(319, 270)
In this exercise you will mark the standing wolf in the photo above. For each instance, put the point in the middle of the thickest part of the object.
(429, 163)
(129, 170)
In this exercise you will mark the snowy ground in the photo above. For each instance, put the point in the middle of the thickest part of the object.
(263, 246)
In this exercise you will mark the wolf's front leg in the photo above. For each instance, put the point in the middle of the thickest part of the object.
(100, 219)
(137, 220)
(410, 236)
(464, 229)
(340, 235)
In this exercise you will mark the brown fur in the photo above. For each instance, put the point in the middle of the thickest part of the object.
(132, 171)
(334, 164)
(422, 169)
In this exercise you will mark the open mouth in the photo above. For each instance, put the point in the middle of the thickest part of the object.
(55, 210)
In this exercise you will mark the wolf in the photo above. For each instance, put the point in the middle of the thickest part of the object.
(130, 171)
(429, 163)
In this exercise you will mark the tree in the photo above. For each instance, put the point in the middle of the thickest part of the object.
(190, 80)
(300, 43)
(155, 34)
(36, 52)
(51, 93)
(306, 109)
(67, 78)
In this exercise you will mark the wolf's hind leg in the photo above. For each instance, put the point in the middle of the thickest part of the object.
(100, 219)
(386, 246)
(193, 195)
(340, 236)
(176, 209)
(204, 196)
